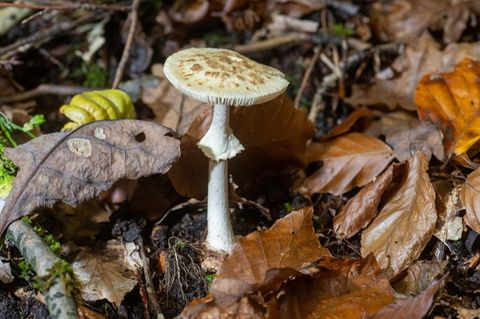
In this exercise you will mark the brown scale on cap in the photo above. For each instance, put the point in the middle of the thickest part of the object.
(222, 76)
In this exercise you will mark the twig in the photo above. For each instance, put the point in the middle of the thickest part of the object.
(306, 76)
(148, 282)
(269, 44)
(128, 44)
(143, 294)
(42, 35)
(43, 89)
(67, 6)
(59, 300)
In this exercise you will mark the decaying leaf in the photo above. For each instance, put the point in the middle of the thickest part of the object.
(411, 308)
(420, 276)
(362, 208)
(349, 161)
(170, 107)
(74, 167)
(290, 243)
(448, 203)
(406, 135)
(406, 223)
(402, 20)
(341, 289)
(347, 124)
(419, 58)
(105, 273)
(470, 196)
(452, 102)
(274, 135)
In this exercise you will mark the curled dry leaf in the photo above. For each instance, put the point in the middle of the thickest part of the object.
(274, 135)
(349, 161)
(105, 273)
(350, 121)
(419, 58)
(403, 20)
(452, 102)
(77, 166)
(289, 244)
(470, 196)
(411, 308)
(406, 223)
(362, 208)
(406, 135)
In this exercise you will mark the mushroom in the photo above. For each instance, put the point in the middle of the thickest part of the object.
(223, 78)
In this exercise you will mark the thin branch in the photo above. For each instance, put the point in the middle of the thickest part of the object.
(60, 302)
(306, 76)
(43, 89)
(128, 44)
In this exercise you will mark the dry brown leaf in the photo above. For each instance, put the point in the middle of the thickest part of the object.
(289, 244)
(77, 166)
(470, 196)
(406, 135)
(274, 135)
(403, 20)
(346, 289)
(449, 225)
(362, 208)
(420, 276)
(349, 161)
(347, 124)
(406, 223)
(105, 273)
(170, 107)
(419, 58)
(411, 308)
(452, 102)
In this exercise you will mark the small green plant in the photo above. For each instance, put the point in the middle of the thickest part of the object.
(342, 30)
(95, 75)
(288, 207)
(61, 269)
(209, 278)
(8, 127)
(26, 271)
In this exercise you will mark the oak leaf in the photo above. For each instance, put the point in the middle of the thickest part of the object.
(77, 166)
(470, 196)
(349, 161)
(274, 135)
(406, 223)
(362, 208)
(452, 102)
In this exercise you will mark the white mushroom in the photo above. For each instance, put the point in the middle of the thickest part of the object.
(223, 78)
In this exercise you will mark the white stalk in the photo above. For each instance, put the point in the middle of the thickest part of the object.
(219, 145)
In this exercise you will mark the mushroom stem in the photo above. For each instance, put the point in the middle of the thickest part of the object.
(219, 145)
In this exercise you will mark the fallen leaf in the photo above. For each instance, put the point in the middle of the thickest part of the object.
(74, 167)
(341, 289)
(204, 308)
(347, 124)
(274, 135)
(362, 208)
(451, 101)
(349, 161)
(406, 135)
(464, 313)
(449, 225)
(170, 107)
(406, 223)
(289, 244)
(86, 313)
(411, 308)
(420, 276)
(104, 273)
(470, 196)
(403, 20)
(419, 58)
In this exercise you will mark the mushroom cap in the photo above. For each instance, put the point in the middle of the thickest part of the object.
(221, 76)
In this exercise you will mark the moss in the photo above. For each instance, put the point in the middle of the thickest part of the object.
(60, 270)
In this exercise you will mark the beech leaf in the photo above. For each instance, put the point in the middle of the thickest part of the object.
(274, 135)
(362, 208)
(105, 273)
(406, 223)
(452, 102)
(289, 244)
(470, 196)
(77, 166)
(349, 161)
